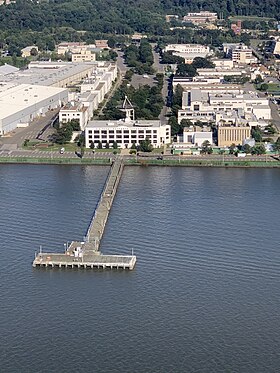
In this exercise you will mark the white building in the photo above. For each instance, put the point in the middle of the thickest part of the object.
(224, 63)
(21, 103)
(128, 131)
(201, 17)
(74, 111)
(196, 136)
(188, 51)
(198, 104)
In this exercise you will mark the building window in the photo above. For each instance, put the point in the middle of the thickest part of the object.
(104, 132)
(89, 131)
(96, 131)
(126, 131)
(141, 131)
(111, 131)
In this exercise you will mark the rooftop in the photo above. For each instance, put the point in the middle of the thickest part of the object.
(15, 97)
(47, 74)
(122, 123)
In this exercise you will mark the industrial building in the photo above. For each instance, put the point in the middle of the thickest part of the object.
(21, 103)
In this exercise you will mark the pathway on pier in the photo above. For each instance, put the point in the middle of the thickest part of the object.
(99, 219)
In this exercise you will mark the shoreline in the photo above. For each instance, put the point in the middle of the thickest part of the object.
(144, 163)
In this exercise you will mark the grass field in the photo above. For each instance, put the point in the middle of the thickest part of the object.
(251, 18)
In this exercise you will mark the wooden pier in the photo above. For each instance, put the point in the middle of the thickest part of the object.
(86, 254)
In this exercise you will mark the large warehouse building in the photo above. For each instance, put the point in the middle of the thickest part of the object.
(21, 103)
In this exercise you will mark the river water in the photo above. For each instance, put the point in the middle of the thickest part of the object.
(204, 295)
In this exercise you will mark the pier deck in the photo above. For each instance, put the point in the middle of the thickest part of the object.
(86, 261)
(85, 254)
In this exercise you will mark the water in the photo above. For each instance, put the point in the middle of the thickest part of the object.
(204, 295)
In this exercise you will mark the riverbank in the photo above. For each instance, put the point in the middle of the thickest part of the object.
(142, 162)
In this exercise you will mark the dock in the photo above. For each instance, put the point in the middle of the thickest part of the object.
(85, 254)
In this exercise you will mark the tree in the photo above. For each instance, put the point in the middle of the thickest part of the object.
(145, 146)
(33, 52)
(92, 145)
(257, 134)
(185, 123)
(232, 149)
(200, 62)
(99, 146)
(264, 87)
(276, 145)
(206, 148)
(186, 70)
(115, 145)
(107, 146)
(258, 149)
(175, 127)
(247, 149)
(258, 79)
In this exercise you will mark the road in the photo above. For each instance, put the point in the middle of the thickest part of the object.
(15, 139)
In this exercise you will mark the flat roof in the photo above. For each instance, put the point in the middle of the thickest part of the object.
(47, 74)
(122, 123)
(16, 97)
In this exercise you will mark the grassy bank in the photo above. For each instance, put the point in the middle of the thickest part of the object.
(70, 161)
(204, 163)
(132, 162)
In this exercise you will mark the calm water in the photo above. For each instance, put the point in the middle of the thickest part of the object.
(204, 296)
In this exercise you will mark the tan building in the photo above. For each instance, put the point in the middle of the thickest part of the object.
(84, 56)
(26, 52)
(102, 44)
(228, 135)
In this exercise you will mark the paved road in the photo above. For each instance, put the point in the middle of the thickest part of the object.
(16, 138)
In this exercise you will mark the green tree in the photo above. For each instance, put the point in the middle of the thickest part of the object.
(99, 146)
(276, 145)
(264, 87)
(175, 127)
(258, 149)
(257, 134)
(115, 145)
(206, 148)
(186, 70)
(232, 149)
(247, 149)
(145, 146)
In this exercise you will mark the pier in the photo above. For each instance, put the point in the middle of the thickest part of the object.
(85, 254)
